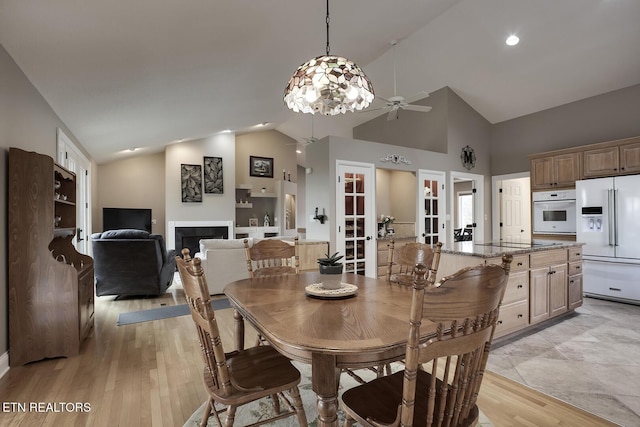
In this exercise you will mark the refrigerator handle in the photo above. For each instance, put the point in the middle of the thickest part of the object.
(611, 219)
(615, 217)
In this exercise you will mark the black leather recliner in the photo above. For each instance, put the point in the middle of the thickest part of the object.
(131, 262)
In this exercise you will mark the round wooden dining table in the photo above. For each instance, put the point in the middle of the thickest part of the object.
(366, 329)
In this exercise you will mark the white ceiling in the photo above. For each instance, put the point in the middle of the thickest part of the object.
(146, 73)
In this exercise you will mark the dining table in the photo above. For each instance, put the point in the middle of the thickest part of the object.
(364, 323)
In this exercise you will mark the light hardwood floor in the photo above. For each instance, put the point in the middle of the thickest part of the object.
(149, 374)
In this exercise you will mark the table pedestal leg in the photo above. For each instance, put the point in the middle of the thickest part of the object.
(239, 330)
(324, 382)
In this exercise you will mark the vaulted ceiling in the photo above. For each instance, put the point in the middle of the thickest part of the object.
(148, 73)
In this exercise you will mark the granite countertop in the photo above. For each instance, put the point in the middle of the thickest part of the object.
(395, 238)
(496, 249)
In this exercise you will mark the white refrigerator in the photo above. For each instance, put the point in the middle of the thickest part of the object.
(608, 222)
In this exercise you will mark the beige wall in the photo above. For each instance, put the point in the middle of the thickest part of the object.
(136, 182)
(395, 194)
(269, 143)
(27, 122)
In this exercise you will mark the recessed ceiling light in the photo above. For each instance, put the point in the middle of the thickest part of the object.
(262, 124)
(226, 131)
(512, 40)
(299, 151)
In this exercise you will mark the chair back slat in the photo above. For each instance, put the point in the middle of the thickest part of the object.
(401, 261)
(197, 294)
(272, 257)
(465, 308)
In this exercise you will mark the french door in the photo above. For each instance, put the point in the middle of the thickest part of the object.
(432, 198)
(356, 217)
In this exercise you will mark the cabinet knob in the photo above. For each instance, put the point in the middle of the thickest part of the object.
(519, 316)
(499, 322)
(519, 264)
(519, 286)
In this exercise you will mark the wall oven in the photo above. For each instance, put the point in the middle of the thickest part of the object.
(554, 212)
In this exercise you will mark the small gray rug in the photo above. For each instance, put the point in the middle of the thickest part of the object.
(164, 312)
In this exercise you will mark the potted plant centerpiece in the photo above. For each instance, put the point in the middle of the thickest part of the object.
(330, 264)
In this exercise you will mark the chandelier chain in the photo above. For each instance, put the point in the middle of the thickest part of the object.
(328, 20)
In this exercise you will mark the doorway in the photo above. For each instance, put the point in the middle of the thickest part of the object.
(70, 157)
(511, 203)
(467, 207)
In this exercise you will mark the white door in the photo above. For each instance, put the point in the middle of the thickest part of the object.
(515, 213)
(70, 157)
(432, 197)
(356, 217)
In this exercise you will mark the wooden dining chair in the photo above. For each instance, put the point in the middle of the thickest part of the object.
(272, 257)
(464, 308)
(400, 269)
(402, 260)
(240, 377)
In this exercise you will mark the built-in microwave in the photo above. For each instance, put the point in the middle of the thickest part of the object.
(554, 212)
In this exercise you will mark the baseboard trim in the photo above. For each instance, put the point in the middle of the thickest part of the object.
(4, 364)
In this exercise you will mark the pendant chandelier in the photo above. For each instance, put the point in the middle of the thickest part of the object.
(328, 85)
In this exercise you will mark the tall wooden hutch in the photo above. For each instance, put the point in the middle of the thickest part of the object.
(51, 295)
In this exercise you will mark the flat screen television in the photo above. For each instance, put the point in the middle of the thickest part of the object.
(119, 218)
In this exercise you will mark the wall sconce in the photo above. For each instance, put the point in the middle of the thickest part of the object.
(320, 217)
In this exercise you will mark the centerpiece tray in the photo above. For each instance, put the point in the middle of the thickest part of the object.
(316, 290)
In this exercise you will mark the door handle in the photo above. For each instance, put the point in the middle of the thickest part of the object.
(78, 235)
(368, 237)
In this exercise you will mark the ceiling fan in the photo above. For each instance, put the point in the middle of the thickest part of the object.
(396, 103)
(308, 140)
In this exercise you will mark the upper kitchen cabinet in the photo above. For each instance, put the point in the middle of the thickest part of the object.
(551, 171)
(612, 158)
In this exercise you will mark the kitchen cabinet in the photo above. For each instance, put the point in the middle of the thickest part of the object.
(383, 251)
(514, 312)
(555, 171)
(612, 159)
(574, 291)
(548, 285)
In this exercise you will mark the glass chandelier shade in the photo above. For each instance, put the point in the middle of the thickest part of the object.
(328, 85)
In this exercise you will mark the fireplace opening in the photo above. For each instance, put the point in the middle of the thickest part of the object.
(189, 237)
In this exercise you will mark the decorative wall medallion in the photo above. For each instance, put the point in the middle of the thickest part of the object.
(394, 158)
(468, 157)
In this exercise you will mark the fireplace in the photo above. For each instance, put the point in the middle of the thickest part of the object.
(187, 234)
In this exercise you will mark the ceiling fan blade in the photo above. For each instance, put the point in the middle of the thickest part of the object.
(393, 114)
(417, 96)
(421, 108)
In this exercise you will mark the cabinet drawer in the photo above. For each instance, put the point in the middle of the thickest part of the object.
(575, 268)
(383, 257)
(519, 263)
(547, 258)
(517, 287)
(513, 317)
(575, 254)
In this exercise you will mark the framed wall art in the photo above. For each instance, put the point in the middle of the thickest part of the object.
(213, 182)
(191, 183)
(261, 166)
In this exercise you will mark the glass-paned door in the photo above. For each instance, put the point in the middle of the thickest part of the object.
(431, 209)
(356, 218)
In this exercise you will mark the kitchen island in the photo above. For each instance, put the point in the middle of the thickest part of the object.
(545, 279)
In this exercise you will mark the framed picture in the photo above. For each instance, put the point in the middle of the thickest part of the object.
(261, 166)
(253, 222)
(191, 183)
(213, 183)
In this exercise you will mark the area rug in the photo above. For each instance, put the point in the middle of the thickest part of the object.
(263, 409)
(164, 312)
